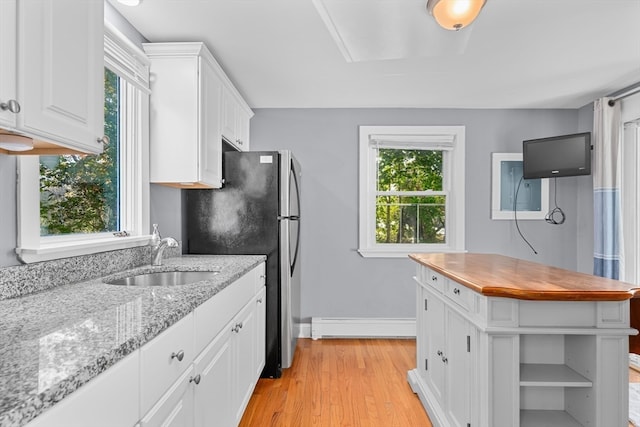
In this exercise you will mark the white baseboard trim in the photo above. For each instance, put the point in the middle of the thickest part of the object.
(349, 327)
(304, 330)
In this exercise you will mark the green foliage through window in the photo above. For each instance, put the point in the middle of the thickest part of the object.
(80, 193)
(414, 217)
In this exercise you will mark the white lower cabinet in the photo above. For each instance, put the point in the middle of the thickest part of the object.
(446, 358)
(119, 386)
(504, 362)
(213, 400)
(215, 386)
(200, 372)
(261, 329)
(175, 408)
(243, 350)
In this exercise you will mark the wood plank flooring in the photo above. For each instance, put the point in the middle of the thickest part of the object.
(341, 383)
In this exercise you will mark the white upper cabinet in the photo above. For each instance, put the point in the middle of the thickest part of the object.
(235, 119)
(8, 44)
(193, 106)
(52, 65)
(185, 146)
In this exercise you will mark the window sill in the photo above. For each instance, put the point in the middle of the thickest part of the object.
(403, 252)
(48, 252)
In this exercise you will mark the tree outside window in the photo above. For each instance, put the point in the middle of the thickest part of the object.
(410, 201)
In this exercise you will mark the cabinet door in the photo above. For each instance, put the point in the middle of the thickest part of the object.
(422, 358)
(8, 44)
(61, 71)
(228, 116)
(175, 408)
(261, 331)
(213, 398)
(434, 318)
(458, 362)
(210, 147)
(244, 351)
(242, 129)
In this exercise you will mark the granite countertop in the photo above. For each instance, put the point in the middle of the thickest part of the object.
(502, 276)
(53, 341)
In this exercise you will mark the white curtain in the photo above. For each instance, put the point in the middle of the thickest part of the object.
(608, 257)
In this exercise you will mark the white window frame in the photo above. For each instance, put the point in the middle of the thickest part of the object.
(132, 66)
(450, 139)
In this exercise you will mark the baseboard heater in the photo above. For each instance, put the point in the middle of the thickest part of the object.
(349, 327)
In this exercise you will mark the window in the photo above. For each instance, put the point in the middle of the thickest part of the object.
(411, 190)
(75, 204)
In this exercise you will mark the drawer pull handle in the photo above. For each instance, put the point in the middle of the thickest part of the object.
(445, 360)
(179, 355)
(439, 353)
(237, 327)
(434, 278)
(456, 291)
(259, 300)
(103, 140)
(11, 105)
(195, 379)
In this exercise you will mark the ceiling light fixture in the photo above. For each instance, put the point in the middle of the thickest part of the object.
(130, 2)
(454, 14)
(13, 142)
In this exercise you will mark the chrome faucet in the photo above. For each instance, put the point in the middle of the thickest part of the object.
(158, 245)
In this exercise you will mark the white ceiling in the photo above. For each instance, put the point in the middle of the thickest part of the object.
(390, 53)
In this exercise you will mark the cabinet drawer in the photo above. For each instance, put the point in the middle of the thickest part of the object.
(160, 366)
(433, 279)
(214, 314)
(459, 294)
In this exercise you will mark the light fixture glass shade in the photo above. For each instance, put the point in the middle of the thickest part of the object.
(12, 142)
(454, 14)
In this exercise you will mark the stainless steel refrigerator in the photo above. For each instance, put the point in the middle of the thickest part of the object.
(256, 212)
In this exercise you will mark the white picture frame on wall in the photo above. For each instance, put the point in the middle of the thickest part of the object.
(532, 195)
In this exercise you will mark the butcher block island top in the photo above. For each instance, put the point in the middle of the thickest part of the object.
(502, 276)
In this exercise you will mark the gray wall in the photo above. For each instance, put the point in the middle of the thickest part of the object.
(337, 281)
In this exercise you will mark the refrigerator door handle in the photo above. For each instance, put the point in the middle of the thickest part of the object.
(292, 217)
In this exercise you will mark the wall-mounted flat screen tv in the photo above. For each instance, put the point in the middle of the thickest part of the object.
(564, 155)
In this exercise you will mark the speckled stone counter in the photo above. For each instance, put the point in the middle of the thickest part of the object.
(52, 342)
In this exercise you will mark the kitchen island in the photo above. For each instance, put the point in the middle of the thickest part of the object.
(55, 341)
(503, 342)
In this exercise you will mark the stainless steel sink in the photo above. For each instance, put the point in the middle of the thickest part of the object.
(165, 278)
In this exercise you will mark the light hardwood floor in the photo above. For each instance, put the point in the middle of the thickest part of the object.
(341, 382)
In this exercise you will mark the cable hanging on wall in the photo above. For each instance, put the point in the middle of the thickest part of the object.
(515, 216)
(555, 216)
